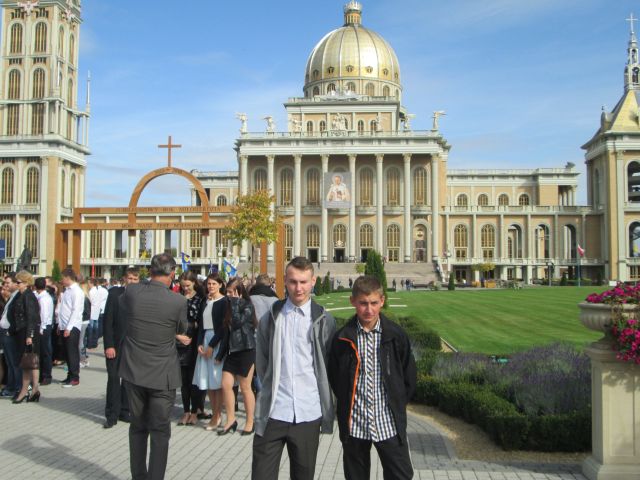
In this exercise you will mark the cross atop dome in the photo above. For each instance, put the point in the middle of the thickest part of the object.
(353, 13)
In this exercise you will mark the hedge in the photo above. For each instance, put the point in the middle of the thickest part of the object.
(502, 421)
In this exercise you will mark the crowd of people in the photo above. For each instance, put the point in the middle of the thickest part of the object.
(220, 341)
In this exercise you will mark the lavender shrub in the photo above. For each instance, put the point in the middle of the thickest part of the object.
(462, 367)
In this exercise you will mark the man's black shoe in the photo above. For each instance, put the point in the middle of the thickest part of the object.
(109, 423)
(124, 419)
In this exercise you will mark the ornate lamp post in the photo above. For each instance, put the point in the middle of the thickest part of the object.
(550, 266)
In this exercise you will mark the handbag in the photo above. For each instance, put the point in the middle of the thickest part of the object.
(30, 360)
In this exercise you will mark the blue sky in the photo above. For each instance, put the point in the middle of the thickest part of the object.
(523, 82)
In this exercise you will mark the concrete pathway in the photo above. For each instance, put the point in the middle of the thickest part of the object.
(62, 438)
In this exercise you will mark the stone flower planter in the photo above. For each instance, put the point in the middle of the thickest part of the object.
(597, 316)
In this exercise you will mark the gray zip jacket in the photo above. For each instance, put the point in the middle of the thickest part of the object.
(268, 361)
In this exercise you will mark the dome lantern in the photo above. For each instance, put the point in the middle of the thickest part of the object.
(353, 14)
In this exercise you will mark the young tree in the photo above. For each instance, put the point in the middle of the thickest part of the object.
(252, 222)
(452, 282)
(375, 267)
(56, 273)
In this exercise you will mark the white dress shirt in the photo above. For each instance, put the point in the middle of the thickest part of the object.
(94, 298)
(71, 308)
(46, 309)
(103, 294)
(4, 321)
(297, 399)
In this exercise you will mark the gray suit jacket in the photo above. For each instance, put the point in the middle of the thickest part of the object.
(154, 314)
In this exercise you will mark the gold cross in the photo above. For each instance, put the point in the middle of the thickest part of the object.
(170, 146)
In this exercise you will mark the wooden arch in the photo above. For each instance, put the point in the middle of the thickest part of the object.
(160, 172)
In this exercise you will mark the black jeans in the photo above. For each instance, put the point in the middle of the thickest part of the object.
(117, 404)
(71, 344)
(192, 396)
(301, 439)
(46, 354)
(150, 411)
(394, 457)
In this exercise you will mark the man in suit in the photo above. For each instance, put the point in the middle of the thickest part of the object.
(149, 365)
(117, 405)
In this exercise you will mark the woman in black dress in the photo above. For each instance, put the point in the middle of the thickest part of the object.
(238, 350)
(24, 317)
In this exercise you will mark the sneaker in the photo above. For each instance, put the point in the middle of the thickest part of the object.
(84, 364)
(71, 383)
(7, 394)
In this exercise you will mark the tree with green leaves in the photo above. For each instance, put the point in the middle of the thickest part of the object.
(375, 267)
(452, 282)
(252, 222)
(56, 273)
(326, 284)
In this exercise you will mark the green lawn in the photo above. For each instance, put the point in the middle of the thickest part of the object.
(491, 321)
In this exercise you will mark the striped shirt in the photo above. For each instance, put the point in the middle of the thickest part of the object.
(371, 416)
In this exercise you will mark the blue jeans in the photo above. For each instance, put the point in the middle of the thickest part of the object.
(14, 372)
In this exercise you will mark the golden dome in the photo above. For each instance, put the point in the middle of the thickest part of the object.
(353, 59)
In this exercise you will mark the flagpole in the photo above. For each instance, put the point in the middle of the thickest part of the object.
(579, 275)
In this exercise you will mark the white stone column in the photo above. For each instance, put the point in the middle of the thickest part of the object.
(352, 210)
(324, 233)
(244, 189)
(297, 215)
(379, 204)
(408, 227)
(271, 159)
(435, 206)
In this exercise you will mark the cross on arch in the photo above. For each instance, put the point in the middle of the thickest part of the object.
(631, 20)
(169, 146)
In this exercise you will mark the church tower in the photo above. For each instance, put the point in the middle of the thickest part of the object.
(44, 133)
(613, 175)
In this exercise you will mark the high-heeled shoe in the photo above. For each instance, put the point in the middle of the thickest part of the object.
(35, 397)
(234, 427)
(248, 432)
(16, 400)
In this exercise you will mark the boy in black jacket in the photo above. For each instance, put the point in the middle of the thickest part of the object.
(373, 375)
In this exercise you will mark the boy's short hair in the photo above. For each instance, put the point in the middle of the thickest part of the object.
(264, 280)
(366, 285)
(70, 274)
(300, 263)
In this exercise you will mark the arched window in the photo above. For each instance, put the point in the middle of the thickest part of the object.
(351, 87)
(16, 39)
(313, 187)
(221, 201)
(316, 74)
(70, 102)
(63, 188)
(503, 200)
(33, 186)
(397, 93)
(633, 181)
(331, 88)
(373, 126)
(323, 126)
(420, 187)
(369, 90)
(386, 91)
(483, 200)
(514, 241)
(366, 236)
(460, 241)
(288, 242)
(13, 110)
(393, 187)
(488, 241)
(523, 200)
(366, 187)
(313, 236)
(14, 85)
(195, 243)
(570, 242)
(95, 244)
(72, 49)
(542, 241)
(286, 188)
(596, 188)
(40, 45)
(37, 120)
(259, 180)
(339, 236)
(316, 91)
(61, 42)
(72, 191)
(6, 234)
(70, 117)
(360, 127)
(393, 243)
(309, 126)
(7, 186)
(31, 238)
(634, 240)
(462, 200)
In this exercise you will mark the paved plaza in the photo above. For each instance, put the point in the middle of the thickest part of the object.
(62, 438)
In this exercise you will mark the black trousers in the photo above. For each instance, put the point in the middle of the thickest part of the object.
(150, 411)
(394, 457)
(46, 357)
(71, 345)
(302, 441)
(192, 396)
(117, 404)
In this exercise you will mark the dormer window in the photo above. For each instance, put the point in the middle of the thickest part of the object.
(316, 74)
(369, 69)
(349, 68)
(635, 74)
(385, 72)
(330, 70)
